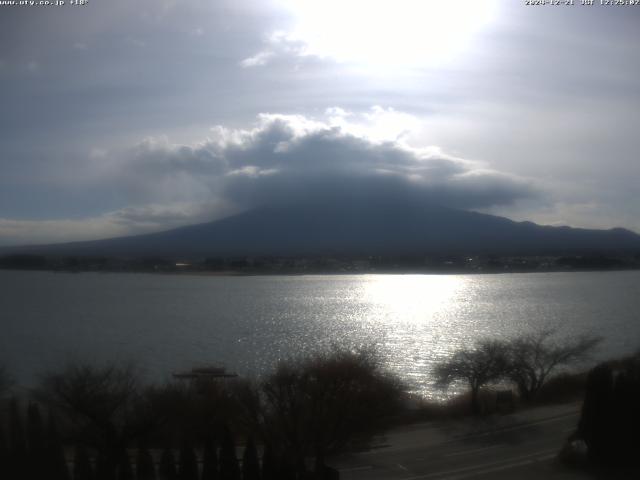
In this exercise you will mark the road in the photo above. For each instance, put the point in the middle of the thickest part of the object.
(522, 446)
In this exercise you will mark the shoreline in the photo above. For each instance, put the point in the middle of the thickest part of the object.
(270, 273)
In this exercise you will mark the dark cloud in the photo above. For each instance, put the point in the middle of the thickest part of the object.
(293, 159)
(276, 163)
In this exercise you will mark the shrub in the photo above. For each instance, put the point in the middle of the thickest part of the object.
(321, 405)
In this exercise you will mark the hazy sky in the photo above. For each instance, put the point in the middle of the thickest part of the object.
(122, 117)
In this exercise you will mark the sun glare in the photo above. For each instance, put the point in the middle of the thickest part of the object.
(414, 298)
(388, 33)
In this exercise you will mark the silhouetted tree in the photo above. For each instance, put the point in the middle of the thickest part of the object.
(188, 463)
(533, 358)
(102, 403)
(286, 468)
(167, 470)
(626, 416)
(478, 366)
(35, 429)
(82, 469)
(18, 460)
(36, 441)
(56, 461)
(6, 459)
(269, 464)
(4, 452)
(16, 432)
(210, 462)
(145, 469)
(105, 466)
(610, 420)
(229, 469)
(190, 410)
(320, 405)
(250, 462)
(125, 472)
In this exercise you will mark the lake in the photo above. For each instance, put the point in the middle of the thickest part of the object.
(171, 322)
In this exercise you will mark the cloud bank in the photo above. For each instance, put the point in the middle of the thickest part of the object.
(281, 159)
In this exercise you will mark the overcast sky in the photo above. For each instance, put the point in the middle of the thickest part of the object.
(122, 117)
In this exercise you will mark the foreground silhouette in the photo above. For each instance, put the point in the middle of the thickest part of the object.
(527, 361)
(610, 419)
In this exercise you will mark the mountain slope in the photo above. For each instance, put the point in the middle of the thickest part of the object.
(356, 228)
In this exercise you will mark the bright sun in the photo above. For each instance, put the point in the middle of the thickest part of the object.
(388, 32)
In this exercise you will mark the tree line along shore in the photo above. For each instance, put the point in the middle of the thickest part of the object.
(256, 265)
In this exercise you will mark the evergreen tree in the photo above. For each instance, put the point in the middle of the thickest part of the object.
(82, 469)
(188, 463)
(167, 466)
(36, 441)
(145, 468)
(105, 468)
(4, 451)
(18, 461)
(124, 467)
(35, 429)
(610, 419)
(56, 462)
(250, 462)
(210, 462)
(269, 464)
(228, 461)
(286, 470)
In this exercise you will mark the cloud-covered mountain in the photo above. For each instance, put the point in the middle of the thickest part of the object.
(75, 165)
(281, 159)
(297, 186)
(361, 226)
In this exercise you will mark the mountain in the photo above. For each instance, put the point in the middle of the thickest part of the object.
(355, 228)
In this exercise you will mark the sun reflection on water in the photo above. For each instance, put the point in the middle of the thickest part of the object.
(412, 298)
(416, 322)
(250, 323)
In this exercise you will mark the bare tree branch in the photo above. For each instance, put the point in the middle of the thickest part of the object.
(533, 358)
(101, 402)
(478, 366)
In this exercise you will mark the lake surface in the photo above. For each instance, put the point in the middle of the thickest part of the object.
(171, 322)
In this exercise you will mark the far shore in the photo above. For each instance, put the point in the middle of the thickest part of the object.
(264, 273)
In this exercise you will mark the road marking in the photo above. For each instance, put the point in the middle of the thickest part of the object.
(471, 450)
(489, 467)
(402, 467)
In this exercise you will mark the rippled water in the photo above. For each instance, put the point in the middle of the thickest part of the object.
(169, 322)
